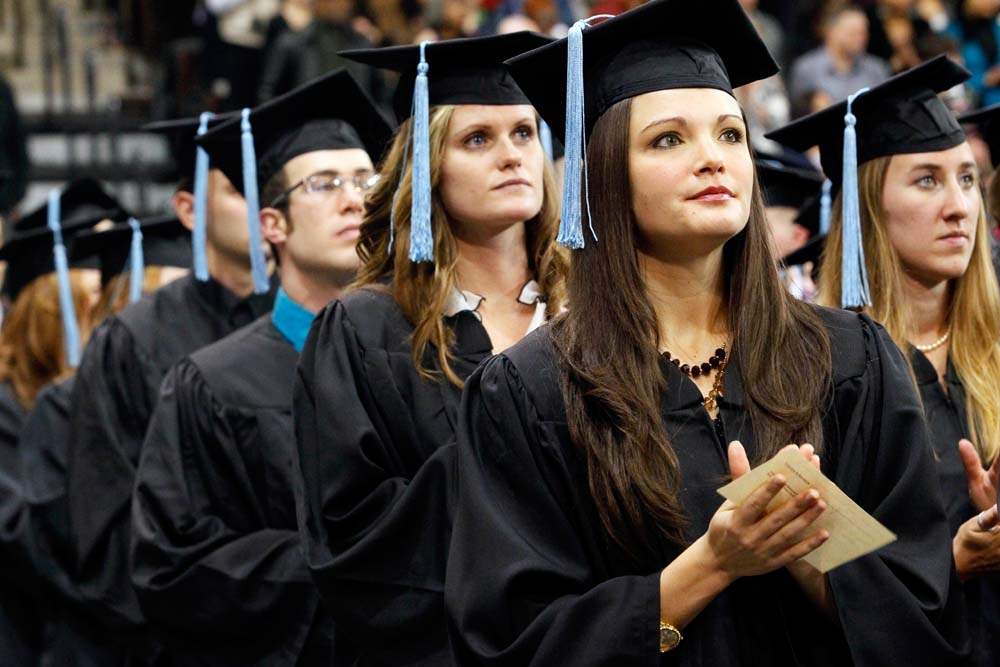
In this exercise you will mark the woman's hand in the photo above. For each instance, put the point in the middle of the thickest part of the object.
(740, 542)
(748, 540)
(983, 484)
(977, 545)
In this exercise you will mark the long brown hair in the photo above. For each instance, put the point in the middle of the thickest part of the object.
(608, 343)
(973, 316)
(32, 352)
(422, 289)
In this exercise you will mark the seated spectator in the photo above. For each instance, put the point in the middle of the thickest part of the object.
(841, 65)
(293, 16)
(897, 25)
(981, 47)
(303, 56)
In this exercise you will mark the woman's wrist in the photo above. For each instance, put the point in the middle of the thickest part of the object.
(690, 583)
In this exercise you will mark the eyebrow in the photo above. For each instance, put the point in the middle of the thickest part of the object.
(936, 167)
(527, 120)
(682, 121)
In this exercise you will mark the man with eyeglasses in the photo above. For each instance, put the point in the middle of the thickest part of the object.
(216, 558)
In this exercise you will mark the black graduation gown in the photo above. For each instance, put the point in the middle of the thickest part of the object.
(532, 579)
(375, 457)
(948, 423)
(37, 536)
(217, 562)
(21, 625)
(116, 389)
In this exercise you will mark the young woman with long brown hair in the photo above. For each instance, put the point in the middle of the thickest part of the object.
(467, 193)
(927, 251)
(588, 529)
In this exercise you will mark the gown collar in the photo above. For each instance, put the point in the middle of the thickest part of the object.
(235, 309)
(925, 372)
(291, 319)
(460, 301)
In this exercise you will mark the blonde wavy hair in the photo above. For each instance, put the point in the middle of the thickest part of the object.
(973, 317)
(422, 289)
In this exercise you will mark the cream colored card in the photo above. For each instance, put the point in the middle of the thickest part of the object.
(853, 532)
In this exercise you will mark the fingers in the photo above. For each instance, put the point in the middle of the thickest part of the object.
(780, 517)
(794, 530)
(970, 459)
(803, 548)
(739, 464)
(756, 505)
(809, 452)
(989, 521)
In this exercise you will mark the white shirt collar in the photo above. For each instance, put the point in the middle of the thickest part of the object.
(531, 295)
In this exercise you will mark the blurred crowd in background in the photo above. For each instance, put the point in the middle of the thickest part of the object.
(220, 55)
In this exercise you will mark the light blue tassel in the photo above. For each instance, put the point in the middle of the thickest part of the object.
(258, 262)
(545, 135)
(575, 185)
(825, 207)
(571, 223)
(200, 203)
(421, 234)
(854, 291)
(71, 334)
(137, 263)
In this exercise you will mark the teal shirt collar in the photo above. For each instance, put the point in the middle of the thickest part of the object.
(291, 319)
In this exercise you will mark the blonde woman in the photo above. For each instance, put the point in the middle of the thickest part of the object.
(382, 372)
(927, 256)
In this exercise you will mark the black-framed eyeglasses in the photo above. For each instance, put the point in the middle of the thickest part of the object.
(329, 183)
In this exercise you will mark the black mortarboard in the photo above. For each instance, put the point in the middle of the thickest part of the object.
(83, 202)
(461, 71)
(988, 122)
(903, 115)
(328, 113)
(181, 135)
(165, 242)
(661, 45)
(784, 185)
(29, 255)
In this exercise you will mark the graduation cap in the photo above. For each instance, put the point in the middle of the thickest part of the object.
(455, 71)
(460, 71)
(988, 122)
(191, 161)
(181, 134)
(35, 251)
(900, 116)
(84, 201)
(662, 45)
(328, 113)
(155, 241)
(785, 185)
